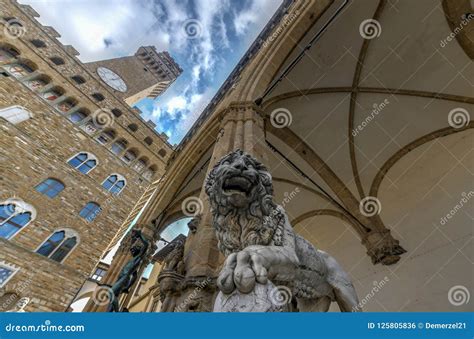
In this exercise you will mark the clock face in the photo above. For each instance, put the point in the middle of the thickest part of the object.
(112, 79)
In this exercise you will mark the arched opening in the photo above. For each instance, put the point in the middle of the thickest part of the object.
(38, 83)
(38, 43)
(8, 52)
(78, 79)
(148, 141)
(98, 97)
(130, 155)
(53, 94)
(79, 115)
(133, 127)
(116, 112)
(106, 136)
(57, 60)
(66, 105)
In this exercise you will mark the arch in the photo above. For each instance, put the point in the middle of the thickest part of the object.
(79, 115)
(15, 114)
(140, 164)
(148, 140)
(66, 105)
(53, 93)
(84, 162)
(116, 112)
(133, 127)
(57, 60)
(15, 215)
(90, 211)
(21, 68)
(162, 152)
(115, 183)
(98, 97)
(150, 172)
(130, 155)
(119, 146)
(8, 52)
(79, 80)
(38, 82)
(374, 189)
(106, 136)
(313, 213)
(59, 245)
(38, 43)
(50, 187)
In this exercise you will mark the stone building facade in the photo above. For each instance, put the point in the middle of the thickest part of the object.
(368, 135)
(74, 160)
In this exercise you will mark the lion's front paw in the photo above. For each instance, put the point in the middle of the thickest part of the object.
(242, 271)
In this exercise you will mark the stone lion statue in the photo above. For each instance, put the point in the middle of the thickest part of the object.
(260, 245)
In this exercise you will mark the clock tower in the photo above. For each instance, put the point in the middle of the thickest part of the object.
(147, 73)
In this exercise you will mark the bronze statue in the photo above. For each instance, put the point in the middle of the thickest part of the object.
(129, 274)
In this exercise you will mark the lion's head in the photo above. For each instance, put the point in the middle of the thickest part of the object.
(240, 192)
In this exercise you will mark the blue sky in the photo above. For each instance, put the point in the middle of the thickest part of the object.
(111, 28)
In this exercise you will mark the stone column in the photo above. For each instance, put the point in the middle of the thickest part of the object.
(242, 127)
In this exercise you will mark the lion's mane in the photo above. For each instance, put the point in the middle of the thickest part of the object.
(261, 223)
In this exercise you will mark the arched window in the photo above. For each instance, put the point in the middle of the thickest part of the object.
(83, 162)
(116, 112)
(14, 215)
(149, 173)
(119, 146)
(53, 94)
(148, 140)
(162, 153)
(50, 187)
(140, 165)
(114, 183)
(59, 245)
(19, 70)
(7, 53)
(90, 211)
(57, 61)
(106, 136)
(38, 43)
(133, 127)
(78, 79)
(98, 97)
(78, 116)
(129, 156)
(15, 114)
(38, 83)
(66, 105)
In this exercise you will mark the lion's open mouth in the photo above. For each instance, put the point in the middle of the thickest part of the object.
(237, 184)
